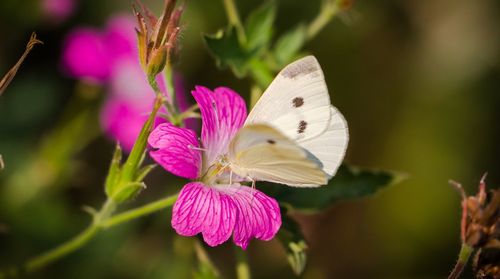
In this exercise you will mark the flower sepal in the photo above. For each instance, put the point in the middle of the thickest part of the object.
(118, 189)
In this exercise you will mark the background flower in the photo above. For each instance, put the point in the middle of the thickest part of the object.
(109, 57)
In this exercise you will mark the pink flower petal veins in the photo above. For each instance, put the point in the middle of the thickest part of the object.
(201, 209)
(223, 112)
(173, 150)
(220, 211)
(259, 216)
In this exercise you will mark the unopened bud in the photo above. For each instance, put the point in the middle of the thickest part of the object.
(157, 61)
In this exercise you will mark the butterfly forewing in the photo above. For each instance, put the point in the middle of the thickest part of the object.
(260, 152)
(297, 101)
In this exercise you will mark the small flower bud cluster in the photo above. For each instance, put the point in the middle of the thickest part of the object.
(481, 229)
(157, 36)
(482, 220)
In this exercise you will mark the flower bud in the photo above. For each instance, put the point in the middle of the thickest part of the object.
(157, 36)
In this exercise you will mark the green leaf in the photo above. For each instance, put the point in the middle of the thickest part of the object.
(144, 171)
(259, 26)
(288, 45)
(226, 49)
(348, 183)
(114, 171)
(295, 245)
(124, 192)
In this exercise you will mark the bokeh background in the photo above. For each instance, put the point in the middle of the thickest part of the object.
(418, 82)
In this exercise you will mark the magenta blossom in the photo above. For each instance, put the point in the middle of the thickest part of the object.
(92, 54)
(211, 206)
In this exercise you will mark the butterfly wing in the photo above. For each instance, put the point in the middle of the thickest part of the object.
(263, 153)
(329, 148)
(296, 102)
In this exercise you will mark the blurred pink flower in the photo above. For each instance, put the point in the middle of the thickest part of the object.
(110, 58)
(57, 10)
(92, 54)
(213, 207)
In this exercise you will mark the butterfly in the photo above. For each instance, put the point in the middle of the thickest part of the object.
(293, 135)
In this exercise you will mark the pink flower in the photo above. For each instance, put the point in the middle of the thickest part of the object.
(57, 10)
(212, 206)
(92, 54)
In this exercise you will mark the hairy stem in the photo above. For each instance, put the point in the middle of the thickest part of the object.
(139, 212)
(463, 257)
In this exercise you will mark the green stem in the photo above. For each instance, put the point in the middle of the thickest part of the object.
(242, 269)
(261, 73)
(234, 19)
(134, 159)
(329, 9)
(463, 257)
(62, 250)
(173, 111)
(139, 212)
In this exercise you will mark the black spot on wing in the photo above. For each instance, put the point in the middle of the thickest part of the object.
(298, 102)
(302, 127)
(270, 141)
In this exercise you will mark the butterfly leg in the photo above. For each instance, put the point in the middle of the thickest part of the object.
(231, 177)
(253, 182)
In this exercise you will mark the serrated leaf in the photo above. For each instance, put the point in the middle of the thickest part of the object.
(293, 241)
(259, 26)
(114, 171)
(226, 49)
(127, 191)
(349, 183)
(288, 45)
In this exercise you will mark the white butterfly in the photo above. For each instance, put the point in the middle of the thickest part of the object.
(293, 135)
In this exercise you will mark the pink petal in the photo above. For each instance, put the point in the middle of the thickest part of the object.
(173, 150)
(120, 37)
(122, 120)
(219, 211)
(201, 209)
(258, 216)
(85, 56)
(223, 113)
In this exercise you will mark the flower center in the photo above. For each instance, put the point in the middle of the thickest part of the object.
(216, 171)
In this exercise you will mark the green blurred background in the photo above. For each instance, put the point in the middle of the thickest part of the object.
(417, 81)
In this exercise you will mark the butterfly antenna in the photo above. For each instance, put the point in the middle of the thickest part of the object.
(230, 176)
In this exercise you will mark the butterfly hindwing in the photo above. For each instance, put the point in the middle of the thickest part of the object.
(263, 153)
(329, 148)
